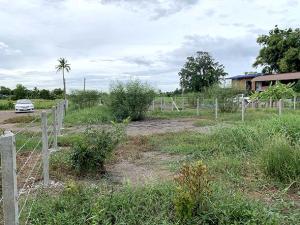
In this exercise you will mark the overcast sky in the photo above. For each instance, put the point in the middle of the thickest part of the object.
(107, 40)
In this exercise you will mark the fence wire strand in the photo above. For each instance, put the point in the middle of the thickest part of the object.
(29, 157)
(24, 128)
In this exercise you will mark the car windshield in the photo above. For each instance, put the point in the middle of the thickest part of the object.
(24, 101)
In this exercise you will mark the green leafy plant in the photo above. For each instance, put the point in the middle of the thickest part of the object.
(89, 154)
(275, 92)
(130, 99)
(192, 190)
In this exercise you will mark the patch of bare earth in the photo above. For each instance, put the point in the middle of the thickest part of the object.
(155, 126)
(137, 164)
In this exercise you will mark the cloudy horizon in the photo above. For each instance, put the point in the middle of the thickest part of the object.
(108, 40)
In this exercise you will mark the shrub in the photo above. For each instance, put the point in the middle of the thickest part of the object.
(89, 154)
(192, 190)
(130, 99)
(281, 160)
(82, 99)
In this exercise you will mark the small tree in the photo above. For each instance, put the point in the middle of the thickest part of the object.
(130, 99)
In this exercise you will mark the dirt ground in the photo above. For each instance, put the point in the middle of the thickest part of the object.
(4, 115)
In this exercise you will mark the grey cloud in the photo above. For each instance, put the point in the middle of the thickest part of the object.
(158, 8)
(237, 54)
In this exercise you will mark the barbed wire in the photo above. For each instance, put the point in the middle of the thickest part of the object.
(26, 199)
(24, 128)
(29, 157)
(27, 141)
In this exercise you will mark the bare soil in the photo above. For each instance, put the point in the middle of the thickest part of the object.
(14, 127)
(136, 163)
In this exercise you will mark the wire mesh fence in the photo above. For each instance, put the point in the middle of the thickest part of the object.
(221, 108)
(25, 164)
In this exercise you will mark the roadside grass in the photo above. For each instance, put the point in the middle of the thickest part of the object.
(93, 115)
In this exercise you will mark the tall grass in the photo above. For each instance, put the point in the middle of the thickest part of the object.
(281, 160)
(93, 115)
(149, 205)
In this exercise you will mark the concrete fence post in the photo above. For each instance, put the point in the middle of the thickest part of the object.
(243, 108)
(270, 103)
(161, 103)
(295, 99)
(9, 179)
(45, 151)
(280, 107)
(182, 103)
(54, 113)
(216, 109)
(153, 104)
(198, 106)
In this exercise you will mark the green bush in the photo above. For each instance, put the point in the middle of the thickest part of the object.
(89, 154)
(82, 99)
(130, 99)
(281, 160)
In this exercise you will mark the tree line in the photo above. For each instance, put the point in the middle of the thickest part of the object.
(21, 92)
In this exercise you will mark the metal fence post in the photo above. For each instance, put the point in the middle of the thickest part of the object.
(197, 106)
(54, 113)
(243, 108)
(280, 107)
(216, 109)
(45, 151)
(9, 179)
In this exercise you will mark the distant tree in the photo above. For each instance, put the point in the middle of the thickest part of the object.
(280, 51)
(35, 93)
(200, 72)
(45, 94)
(20, 92)
(5, 91)
(57, 93)
(63, 66)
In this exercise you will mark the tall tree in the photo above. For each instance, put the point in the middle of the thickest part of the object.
(280, 51)
(200, 72)
(63, 66)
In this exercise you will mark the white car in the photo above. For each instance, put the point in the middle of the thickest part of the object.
(24, 105)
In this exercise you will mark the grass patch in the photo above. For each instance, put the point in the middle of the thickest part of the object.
(205, 123)
(281, 160)
(144, 205)
(93, 115)
(27, 141)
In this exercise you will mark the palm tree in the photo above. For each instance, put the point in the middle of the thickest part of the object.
(63, 66)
